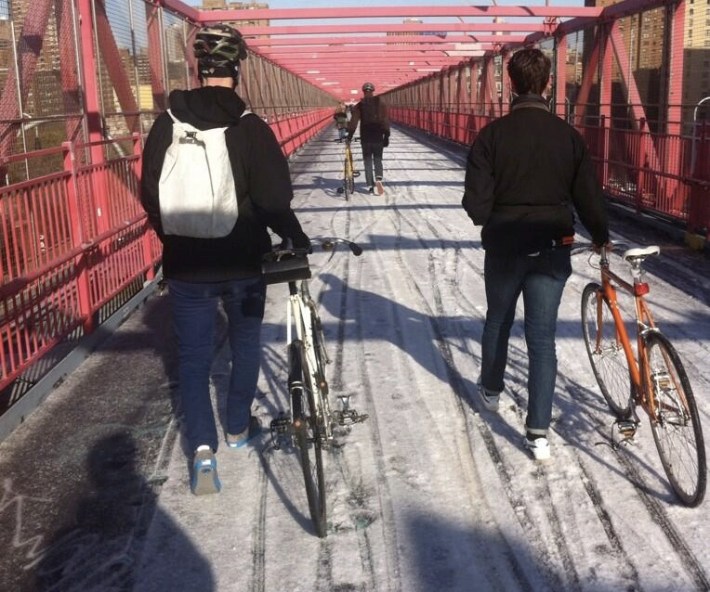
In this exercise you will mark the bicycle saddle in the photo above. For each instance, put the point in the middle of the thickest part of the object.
(641, 252)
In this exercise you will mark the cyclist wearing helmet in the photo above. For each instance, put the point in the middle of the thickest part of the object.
(202, 271)
(371, 114)
(341, 121)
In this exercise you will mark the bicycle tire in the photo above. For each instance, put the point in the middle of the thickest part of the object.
(349, 179)
(307, 428)
(606, 354)
(319, 349)
(676, 427)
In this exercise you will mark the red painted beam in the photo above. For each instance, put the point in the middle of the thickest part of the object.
(370, 12)
(388, 50)
(353, 41)
(180, 8)
(443, 28)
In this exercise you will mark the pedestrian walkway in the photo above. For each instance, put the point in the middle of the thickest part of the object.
(432, 493)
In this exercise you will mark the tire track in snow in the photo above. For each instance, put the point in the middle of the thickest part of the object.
(357, 496)
(655, 510)
(389, 527)
(658, 515)
(258, 535)
(455, 379)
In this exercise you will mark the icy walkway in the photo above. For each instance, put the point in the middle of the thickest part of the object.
(430, 494)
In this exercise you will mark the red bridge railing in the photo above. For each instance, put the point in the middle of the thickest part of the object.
(75, 242)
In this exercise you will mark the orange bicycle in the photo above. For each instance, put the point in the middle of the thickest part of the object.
(653, 378)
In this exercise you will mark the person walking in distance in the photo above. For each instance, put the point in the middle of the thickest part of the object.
(526, 174)
(204, 265)
(341, 121)
(371, 114)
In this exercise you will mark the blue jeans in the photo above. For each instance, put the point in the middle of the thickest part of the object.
(194, 316)
(541, 279)
(372, 152)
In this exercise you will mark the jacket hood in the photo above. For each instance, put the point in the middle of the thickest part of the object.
(207, 107)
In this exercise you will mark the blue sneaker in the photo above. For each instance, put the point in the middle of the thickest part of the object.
(204, 472)
(248, 434)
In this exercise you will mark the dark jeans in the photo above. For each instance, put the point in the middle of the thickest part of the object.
(194, 307)
(541, 280)
(372, 151)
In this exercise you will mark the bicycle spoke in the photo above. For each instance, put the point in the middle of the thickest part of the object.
(676, 425)
(308, 428)
(606, 354)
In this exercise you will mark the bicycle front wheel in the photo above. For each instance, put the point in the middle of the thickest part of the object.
(308, 428)
(349, 181)
(606, 354)
(676, 425)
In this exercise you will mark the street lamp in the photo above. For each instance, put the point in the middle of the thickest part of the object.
(693, 149)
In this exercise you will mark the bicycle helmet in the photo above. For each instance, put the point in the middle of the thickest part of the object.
(368, 87)
(218, 49)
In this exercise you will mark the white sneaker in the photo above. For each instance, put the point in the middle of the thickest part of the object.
(489, 399)
(540, 447)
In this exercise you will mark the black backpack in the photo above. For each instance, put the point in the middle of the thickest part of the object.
(370, 113)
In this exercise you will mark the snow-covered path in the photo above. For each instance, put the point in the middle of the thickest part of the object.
(432, 493)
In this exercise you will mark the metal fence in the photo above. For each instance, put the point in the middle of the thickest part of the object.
(82, 81)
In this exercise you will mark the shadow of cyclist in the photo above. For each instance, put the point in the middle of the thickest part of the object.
(100, 547)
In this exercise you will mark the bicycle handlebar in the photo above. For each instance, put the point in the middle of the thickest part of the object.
(585, 247)
(326, 243)
(329, 244)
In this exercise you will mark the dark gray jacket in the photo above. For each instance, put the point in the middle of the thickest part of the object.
(261, 177)
(526, 175)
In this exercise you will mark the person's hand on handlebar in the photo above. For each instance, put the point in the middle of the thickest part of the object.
(299, 245)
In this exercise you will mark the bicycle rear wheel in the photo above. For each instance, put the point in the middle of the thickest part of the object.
(676, 426)
(308, 427)
(606, 354)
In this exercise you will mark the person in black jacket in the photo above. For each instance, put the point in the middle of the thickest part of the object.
(202, 271)
(526, 174)
(371, 114)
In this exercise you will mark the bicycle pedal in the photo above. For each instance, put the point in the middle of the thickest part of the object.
(280, 431)
(627, 428)
(349, 417)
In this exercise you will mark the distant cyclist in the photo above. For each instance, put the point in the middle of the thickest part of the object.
(371, 114)
(341, 121)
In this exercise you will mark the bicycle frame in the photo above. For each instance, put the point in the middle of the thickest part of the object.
(638, 367)
(311, 425)
(299, 315)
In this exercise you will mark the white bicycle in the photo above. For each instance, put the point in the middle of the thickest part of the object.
(311, 421)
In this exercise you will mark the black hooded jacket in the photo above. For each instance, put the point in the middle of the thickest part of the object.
(261, 177)
(527, 174)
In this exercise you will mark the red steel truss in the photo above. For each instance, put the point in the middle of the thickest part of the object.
(73, 239)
